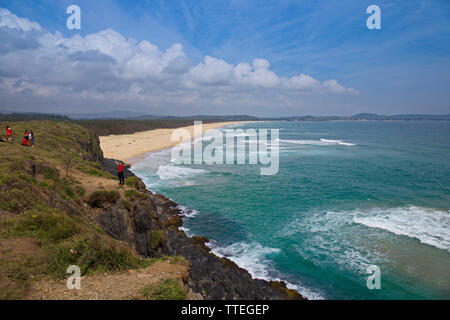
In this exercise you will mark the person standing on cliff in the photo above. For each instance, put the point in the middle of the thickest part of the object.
(121, 165)
(9, 134)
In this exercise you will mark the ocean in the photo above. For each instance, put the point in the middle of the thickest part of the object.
(348, 195)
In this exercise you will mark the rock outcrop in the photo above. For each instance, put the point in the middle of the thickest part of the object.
(151, 225)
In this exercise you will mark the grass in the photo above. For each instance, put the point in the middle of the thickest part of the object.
(102, 197)
(41, 194)
(167, 289)
(93, 255)
(131, 182)
(45, 226)
(157, 237)
(16, 275)
(133, 194)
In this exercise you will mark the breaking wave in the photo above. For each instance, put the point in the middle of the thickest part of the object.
(427, 225)
(166, 172)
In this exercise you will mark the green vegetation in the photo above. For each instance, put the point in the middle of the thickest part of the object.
(133, 194)
(15, 274)
(168, 289)
(124, 126)
(40, 200)
(45, 226)
(43, 211)
(93, 255)
(102, 197)
(157, 237)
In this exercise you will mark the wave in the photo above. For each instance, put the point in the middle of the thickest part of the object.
(187, 212)
(337, 142)
(321, 142)
(253, 258)
(166, 172)
(427, 225)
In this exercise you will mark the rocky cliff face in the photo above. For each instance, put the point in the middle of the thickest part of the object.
(150, 224)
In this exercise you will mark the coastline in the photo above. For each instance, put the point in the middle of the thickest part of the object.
(234, 280)
(129, 147)
(211, 277)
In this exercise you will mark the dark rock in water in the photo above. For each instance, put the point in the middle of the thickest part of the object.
(212, 277)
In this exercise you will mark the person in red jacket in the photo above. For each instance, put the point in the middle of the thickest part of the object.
(25, 139)
(9, 134)
(121, 166)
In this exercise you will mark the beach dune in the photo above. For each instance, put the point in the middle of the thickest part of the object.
(129, 147)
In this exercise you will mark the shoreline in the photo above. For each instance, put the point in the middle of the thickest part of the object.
(201, 242)
(131, 147)
(231, 282)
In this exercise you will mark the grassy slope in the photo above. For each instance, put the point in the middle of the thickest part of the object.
(43, 196)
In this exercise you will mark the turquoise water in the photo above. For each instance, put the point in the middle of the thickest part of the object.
(371, 193)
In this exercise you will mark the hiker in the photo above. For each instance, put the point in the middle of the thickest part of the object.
(31, 138)
(9, 134)
(121, 165)
(25, 139)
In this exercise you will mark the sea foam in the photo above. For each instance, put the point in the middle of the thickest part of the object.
(166, 172)
(252, 257)
(321, 142)
(429, 226)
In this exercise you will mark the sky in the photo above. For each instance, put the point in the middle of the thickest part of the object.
(223, 57)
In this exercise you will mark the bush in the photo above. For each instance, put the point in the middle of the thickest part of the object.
(131, 182)
(168, 289)
(79, 190)
(101, 197)
(49, 173)
(133, 194)
(93, 255)
(67, 192)
(156, 238)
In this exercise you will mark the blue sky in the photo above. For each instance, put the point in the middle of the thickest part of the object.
(402, 68)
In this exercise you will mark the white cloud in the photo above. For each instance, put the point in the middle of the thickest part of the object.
(334, 87)
(257, 76)
(212, 72)
(7, 19)
(303, 82)
(107, 70)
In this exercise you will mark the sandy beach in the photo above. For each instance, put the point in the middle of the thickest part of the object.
(129, 147)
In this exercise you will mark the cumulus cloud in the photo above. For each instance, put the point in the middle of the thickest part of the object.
(334, 86)
(105, 70)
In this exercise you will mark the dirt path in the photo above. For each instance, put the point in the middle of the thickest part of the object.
(113, 286)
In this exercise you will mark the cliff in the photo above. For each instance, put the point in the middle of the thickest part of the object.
(62, 197)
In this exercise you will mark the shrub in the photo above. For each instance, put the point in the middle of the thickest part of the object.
(133, 194)
(168, 289)
(131, 182)
(156, 238)
(49, 173)
(101, 197)
(79, 190)
(92, 255)
(67, 192)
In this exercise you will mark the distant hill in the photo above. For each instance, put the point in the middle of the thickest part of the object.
(31, 116)
(142, 116)
(372, 116)
(117, 114)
